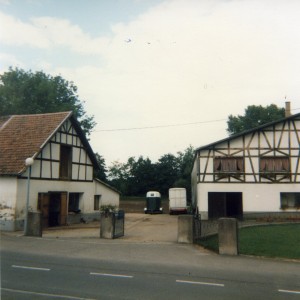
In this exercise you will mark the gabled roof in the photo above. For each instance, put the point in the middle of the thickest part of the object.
(23, 136)
(234, 136)
(107, 185)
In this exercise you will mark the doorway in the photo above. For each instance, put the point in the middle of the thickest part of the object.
(222, 204)
(54, 208)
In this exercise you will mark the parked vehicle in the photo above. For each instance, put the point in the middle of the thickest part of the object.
(177, 201)
(153, 203)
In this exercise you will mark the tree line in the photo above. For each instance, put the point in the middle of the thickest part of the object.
(27, 92)
(139, 175)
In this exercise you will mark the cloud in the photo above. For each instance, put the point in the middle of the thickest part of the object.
(17, 33)
(5, 2)
(187, 61)
(62, 32)
(49, 33)
(10, 60)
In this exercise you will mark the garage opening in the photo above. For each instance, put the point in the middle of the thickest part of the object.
(225, 205)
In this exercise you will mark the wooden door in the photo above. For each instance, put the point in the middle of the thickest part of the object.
(44, 200)
(63, 208)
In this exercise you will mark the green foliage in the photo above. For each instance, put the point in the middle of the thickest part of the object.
(270, 240)
(101, 173)
(167, 172)
(210, 242)
(24, 92)
(254, 116)
(138, 176)
(108, 208)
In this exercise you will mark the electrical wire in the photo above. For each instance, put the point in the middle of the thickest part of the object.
(164, 126)
(159, 126)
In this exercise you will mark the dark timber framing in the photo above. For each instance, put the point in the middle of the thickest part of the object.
(276, 139)
(66, 135)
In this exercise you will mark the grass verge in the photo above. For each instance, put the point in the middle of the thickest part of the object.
(269, 240)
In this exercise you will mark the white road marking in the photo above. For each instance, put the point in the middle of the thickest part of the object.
(30, 268)
(201, 283)
(45, 294)
(111, 275)
(289, 291)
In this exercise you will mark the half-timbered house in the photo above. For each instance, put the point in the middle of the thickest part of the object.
(254, 173)
(62, 183)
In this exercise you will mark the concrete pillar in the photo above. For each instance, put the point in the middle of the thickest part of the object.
(107, 225)
(185, 229)
(34, 224)
(228, 236)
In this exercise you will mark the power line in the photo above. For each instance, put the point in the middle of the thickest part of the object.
(159, 126)
(163, 126)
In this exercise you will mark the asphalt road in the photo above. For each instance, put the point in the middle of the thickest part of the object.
(92, 268)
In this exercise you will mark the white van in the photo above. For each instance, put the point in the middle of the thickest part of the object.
(177, 200)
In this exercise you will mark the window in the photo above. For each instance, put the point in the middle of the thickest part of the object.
(274, 164)
(227, 165)
(97, 202)
(289, 200)
(65, 171)
(74, 199)
(274, 168)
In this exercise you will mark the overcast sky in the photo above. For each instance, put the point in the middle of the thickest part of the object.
(159, 75)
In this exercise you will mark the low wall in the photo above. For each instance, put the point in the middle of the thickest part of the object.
(210, 227)
(137, 206)
(273, 216)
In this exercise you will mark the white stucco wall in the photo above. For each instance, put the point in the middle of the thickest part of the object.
(256, 197)
(108, 196)
(8, 195)
(13, 193)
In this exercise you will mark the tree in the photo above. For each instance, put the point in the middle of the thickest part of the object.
(101, 173)
(142, 176)
(168, 172)
(254, 116)
(133, 178)
(185, 162)
(118, 176)
(138, 176)
(24, 92)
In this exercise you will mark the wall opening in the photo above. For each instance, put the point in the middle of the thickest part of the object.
(54, 208)
(225, 204)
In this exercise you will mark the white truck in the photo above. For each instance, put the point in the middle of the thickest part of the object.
(177, 200)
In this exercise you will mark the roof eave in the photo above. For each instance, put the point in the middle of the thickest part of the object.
(210, 146)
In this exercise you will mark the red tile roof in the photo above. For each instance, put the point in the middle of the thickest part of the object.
(22, 136)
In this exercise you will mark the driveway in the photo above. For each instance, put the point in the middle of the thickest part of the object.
(160, 228)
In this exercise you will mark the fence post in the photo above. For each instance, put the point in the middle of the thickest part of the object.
(107, 225)
(34, 224)
(228, 236)
(185, 229)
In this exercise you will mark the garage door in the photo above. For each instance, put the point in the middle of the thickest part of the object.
(227, 204)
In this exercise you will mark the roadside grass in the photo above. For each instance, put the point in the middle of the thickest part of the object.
(281, 241)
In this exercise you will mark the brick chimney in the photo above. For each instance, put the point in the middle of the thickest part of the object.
(287, 109)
